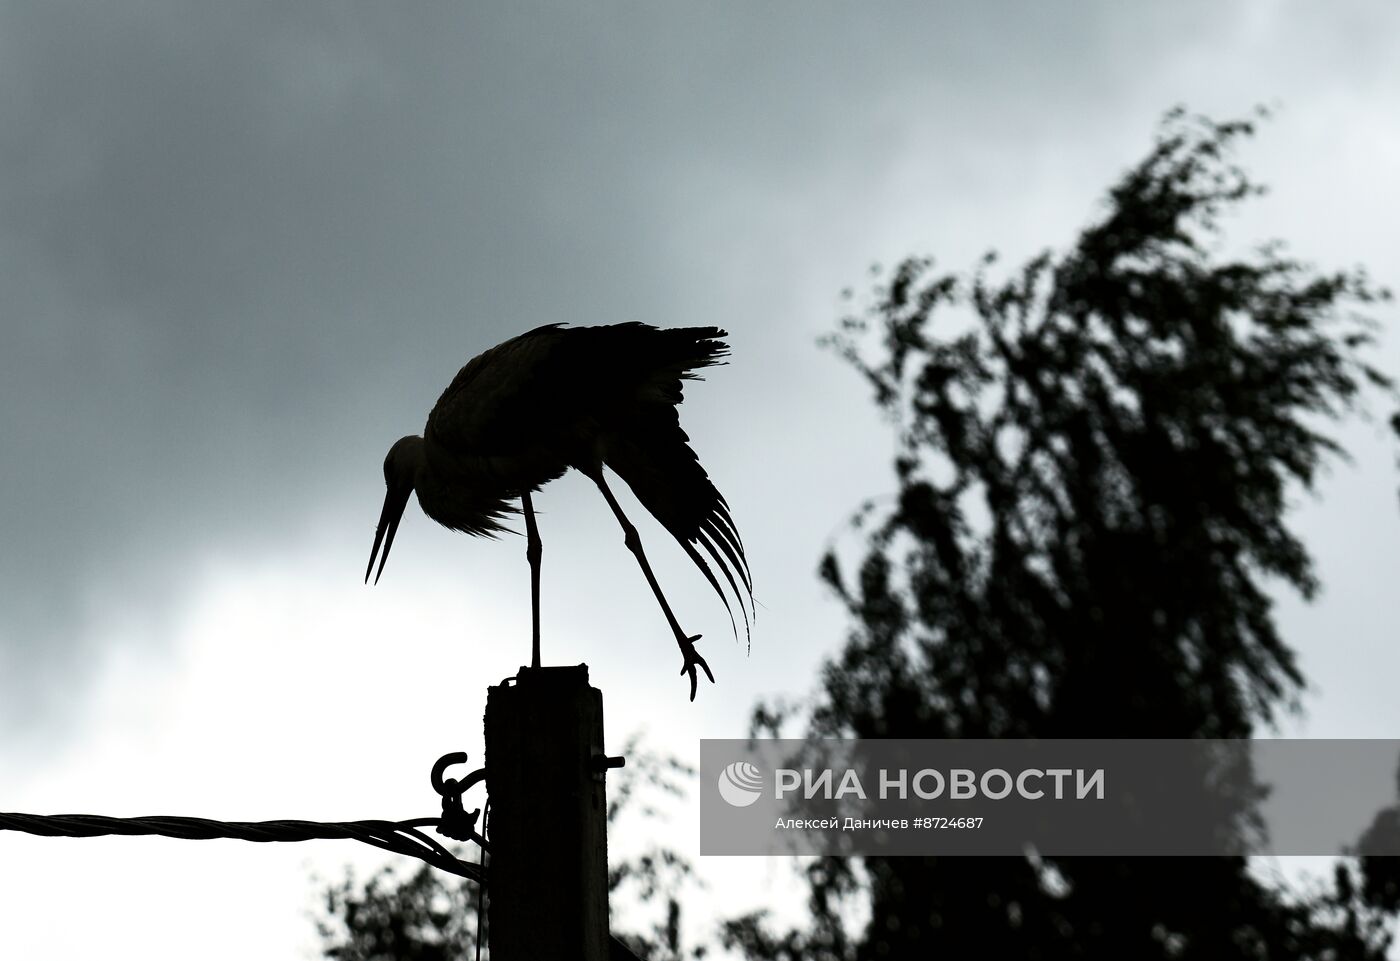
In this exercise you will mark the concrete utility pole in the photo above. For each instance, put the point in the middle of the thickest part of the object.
(549, 859)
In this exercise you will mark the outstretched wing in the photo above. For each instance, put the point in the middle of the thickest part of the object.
(648, 449)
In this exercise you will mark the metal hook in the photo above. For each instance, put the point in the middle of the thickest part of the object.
(443, 763)
(456, 822)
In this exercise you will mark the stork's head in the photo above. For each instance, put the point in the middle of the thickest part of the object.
(401, 468)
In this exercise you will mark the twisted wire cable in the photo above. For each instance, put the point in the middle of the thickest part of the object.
(400, 837)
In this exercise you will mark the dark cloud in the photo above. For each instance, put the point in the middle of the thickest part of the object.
(243, 246)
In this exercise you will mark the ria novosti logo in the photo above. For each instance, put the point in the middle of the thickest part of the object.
(740, 784)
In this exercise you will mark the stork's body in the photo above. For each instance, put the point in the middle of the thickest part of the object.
(522, 413)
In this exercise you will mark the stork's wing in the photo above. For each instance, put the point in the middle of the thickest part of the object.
(645, 445)
(654, 457)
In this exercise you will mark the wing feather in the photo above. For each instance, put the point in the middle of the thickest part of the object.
(734, 552)
(705, 569)
(728, 576)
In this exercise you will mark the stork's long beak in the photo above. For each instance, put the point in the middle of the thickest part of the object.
(395, 500)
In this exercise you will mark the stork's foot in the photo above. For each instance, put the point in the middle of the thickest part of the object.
(692, 659)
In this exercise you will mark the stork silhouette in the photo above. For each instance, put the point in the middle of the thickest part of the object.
(522, 413)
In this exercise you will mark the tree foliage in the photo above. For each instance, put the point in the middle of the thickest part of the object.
(1095, 463)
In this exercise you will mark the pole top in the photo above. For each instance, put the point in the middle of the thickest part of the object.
(553, 678)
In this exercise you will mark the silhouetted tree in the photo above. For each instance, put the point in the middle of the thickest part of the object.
(421, 918)
(1094, 463)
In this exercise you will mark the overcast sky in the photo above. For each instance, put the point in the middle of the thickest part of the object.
(244, 246)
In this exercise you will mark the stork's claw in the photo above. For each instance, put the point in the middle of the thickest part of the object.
(692, 658)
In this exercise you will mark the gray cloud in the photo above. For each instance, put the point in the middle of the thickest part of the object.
(242, 248)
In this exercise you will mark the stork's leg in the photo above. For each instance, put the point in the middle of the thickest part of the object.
(691, 656)
(533, 551)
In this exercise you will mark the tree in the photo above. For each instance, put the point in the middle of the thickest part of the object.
(1094, 463)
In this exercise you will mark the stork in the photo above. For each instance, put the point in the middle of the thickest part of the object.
(521, 414)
